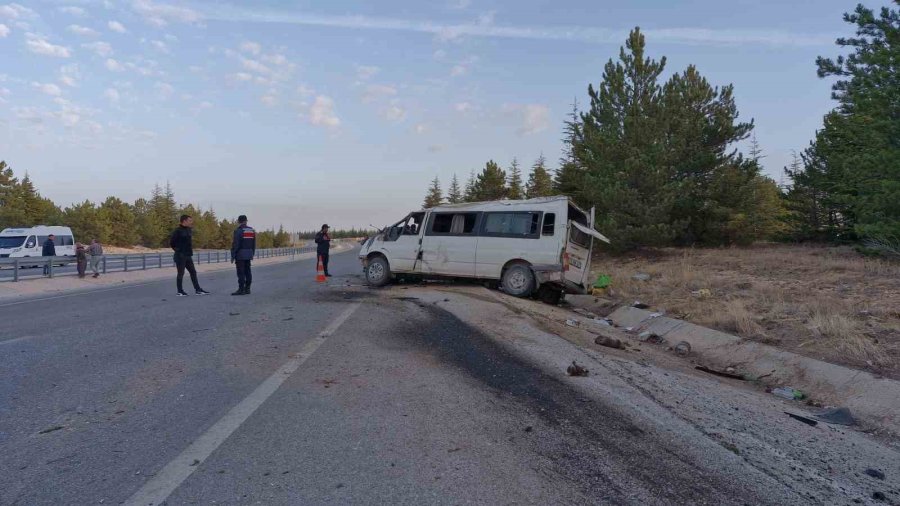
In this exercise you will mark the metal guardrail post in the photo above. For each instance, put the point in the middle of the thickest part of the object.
(50, 269)
(143, 261)
(104, 264)
(126, 262)
(159, 260)
(16, 271)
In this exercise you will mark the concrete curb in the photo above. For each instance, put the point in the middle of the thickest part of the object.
(877, 400)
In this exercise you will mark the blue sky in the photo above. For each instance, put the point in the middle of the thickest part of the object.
(342, 112)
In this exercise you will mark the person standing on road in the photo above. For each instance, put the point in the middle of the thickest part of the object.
(81, 259)
(48, 250)
(96, 251)
(180, 241)
(243, 247)
(323, 240)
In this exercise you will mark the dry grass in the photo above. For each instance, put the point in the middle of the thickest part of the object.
(826, 302)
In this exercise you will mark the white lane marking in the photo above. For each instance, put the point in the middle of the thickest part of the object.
(17, 340)
(80, 292)
(165, 482)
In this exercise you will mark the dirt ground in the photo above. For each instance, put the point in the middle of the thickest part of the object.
(829, 303)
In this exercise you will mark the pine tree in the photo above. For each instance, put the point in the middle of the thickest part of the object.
(569, 178)
(12, 210)
(86, 222)
(540, 184)
(490, 183)
(755, 150)
(470, 188)
(514, 190)
(120, 219)
(435, 196)
(455, 195)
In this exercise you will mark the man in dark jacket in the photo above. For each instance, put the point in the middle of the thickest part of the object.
(323, 240)
(181, 244)
(48, 249)
(243, 247)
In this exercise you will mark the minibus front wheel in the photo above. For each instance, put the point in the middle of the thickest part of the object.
(378, 271)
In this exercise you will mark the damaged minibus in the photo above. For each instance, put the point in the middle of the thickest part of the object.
(528, 246)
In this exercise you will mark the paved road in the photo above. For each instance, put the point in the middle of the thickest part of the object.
(312, 394)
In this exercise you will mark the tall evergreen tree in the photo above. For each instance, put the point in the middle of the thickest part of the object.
(86, 222)
(569, 178)
(12, 210)
(470, 188)
(120, 219)
(515, 191)
(540, 183)
(454, 195)
(435, 196)
(490, 183)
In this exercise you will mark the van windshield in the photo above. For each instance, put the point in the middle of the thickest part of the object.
(11, 241)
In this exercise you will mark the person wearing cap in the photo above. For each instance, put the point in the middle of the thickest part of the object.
(243, 247)
(323, 240)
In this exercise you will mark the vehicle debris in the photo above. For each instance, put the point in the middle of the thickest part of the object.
(682, 349)
(603, 321)
(576, 370)
(650, 337)
(801, 418)
(702, 293)
(791, 394)
(586, 313)
(52, 429)
(609, 342)
(724, 374)
(639, 305)
(573, 323)
(837, 416)
(875, 473)
(641, 276)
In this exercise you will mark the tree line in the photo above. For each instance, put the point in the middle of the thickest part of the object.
(147, 221)
(657, 158)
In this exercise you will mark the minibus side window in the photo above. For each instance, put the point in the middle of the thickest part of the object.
(549, 224)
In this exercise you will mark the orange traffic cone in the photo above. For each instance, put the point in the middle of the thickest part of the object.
(320, 271)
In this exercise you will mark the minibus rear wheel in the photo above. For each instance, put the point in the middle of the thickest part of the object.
(518, 280)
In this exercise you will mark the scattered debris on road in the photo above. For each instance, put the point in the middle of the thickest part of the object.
(801, 418)
(682, 349)
(573, 323)
(791, 394)
(641, 276)
(724, 374)
(576, 370)
(56, 428)
(233, 313)
(195, 462)
(837, 416)
(639, 305)
(609, 342)
(875, 473)
(586, 313)
(650, 337)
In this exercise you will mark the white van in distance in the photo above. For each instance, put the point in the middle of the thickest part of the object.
(527, 245)
(28, 242)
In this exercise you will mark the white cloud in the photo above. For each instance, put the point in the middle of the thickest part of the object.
(73, 10)
(204, 105)
(533, 118)
(421, 128)
(366, 72)
(484, 27)
(458, 70)
(165, 90)
(117, 27)
(101, 48)
(69, 75)
(460, 4)
(255, 66)
(4, 92)
(171, 38)
(394, 113)
(268, 100)
(114, 66)
(159, 14)
(253, 48)
(16, 11)
(275, 59)
(463, 107)
(322, 113)
(374, 92)
(305, 91)
(83, 31)
(242, 76)
(440, 54)
(38, 45)
(112, 95)
(4, 30)
(160, 46)
(48, 89)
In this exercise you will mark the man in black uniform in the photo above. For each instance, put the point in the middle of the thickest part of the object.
(180, 241)
(243, 247)
(323, 240)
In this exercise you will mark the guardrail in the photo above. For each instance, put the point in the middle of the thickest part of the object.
(10, 268)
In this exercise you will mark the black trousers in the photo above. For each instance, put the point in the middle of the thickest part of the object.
(245, 277)
(324, 256)
(182, 263)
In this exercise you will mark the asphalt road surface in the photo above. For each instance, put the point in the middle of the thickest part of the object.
(304, 393)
